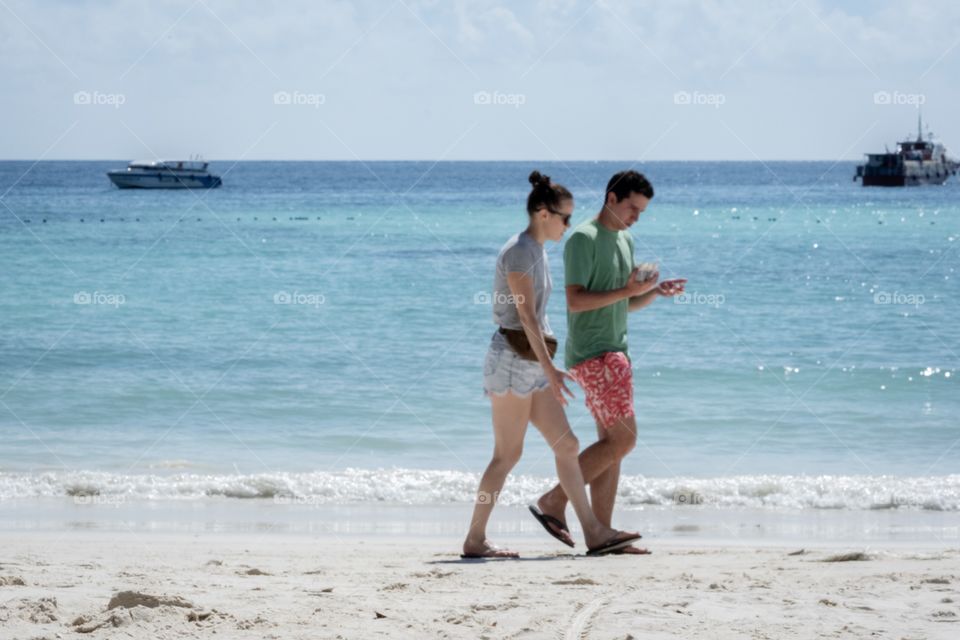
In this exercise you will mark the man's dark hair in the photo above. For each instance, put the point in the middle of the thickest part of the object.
(626, 182)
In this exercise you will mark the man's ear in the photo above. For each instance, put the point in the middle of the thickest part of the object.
(611, 199)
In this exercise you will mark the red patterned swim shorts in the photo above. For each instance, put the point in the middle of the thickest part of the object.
(607, 381)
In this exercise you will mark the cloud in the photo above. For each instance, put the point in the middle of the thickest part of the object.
(485, 30)
(597, 79)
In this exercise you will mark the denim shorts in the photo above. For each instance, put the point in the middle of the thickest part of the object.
(504, 370)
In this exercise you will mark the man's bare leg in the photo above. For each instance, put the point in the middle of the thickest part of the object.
(603, 491)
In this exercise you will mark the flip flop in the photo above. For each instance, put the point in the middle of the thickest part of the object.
(611, 546)
(545, 521)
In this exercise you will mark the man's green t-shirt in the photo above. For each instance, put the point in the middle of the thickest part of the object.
(600, 260)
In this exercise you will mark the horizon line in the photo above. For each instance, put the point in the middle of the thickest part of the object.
(435, 161)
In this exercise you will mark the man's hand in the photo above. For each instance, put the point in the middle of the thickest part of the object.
(669, 288)
(635, 287)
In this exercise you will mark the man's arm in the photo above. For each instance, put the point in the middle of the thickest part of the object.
(641, 301)
(667, 289)
(580, 299)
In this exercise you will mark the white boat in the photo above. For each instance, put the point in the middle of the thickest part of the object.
(165, 174)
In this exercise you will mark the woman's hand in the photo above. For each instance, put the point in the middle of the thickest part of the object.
(558, 385)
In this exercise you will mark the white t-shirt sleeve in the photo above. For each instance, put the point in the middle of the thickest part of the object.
(519, 258)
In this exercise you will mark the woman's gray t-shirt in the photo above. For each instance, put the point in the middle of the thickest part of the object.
(523, 254)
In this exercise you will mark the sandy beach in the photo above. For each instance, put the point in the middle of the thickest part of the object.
(268, 585)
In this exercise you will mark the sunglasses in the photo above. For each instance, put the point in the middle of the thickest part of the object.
(565, 216)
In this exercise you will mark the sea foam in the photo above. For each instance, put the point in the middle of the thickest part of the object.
(438, 487)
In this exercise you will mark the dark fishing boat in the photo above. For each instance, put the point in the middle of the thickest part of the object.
(916, 162)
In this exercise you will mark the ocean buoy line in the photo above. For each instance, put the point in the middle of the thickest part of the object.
(255, 219)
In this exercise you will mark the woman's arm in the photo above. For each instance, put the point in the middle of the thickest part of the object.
(521, 286)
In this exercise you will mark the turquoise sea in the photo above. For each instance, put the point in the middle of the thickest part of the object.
(316, 330)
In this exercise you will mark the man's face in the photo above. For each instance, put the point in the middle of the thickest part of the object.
(628, 210)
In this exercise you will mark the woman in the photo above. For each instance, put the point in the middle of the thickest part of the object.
(524, 385)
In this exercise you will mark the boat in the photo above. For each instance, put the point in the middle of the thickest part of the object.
(915, 162)
(165, 174)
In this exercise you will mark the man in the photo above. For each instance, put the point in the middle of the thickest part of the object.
(602, 286)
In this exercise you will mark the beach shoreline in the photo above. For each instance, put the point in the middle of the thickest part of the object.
(445, 524)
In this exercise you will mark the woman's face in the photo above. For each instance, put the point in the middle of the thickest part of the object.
(559, 219)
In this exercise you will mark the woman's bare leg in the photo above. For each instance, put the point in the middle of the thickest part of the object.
(549, 417)
(511, 413)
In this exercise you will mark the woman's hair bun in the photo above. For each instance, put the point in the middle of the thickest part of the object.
(545, 193)
(537, 179)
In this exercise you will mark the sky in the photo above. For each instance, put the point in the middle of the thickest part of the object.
(473, 80)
